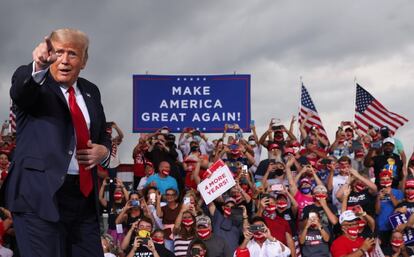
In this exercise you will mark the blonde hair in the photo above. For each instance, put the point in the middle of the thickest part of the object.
(72, 35)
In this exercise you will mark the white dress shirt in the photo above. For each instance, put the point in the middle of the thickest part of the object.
(39, 77)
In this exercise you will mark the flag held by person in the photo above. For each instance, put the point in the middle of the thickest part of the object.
(309, 114)
(369, 112)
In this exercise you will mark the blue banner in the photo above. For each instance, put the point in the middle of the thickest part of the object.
(202, 102)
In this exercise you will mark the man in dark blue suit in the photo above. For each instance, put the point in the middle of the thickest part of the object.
(51, 188)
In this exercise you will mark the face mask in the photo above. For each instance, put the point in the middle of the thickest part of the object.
(165, 172)
(204, 233)
(227, 211)
(410, 195)
(278, 137)
(194, 149)
(360, 155)
(158, 241)
(319, 196)
(353, 231)
(386, 183)
(197, 138)
(252, 142)
(271, 208)
(188, 222)
(305, 190)
(117, 196)
(361, 225)
(259, 237)
(278, 172)
(238, 198)
(245, 187)
(387, 152)
(397, 242)
(281, 204)
(359, 187)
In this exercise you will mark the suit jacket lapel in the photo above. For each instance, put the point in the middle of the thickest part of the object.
(87, 97)
(55, 87)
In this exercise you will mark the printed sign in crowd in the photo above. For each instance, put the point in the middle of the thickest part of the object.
(402, 218)
(203, 102)
(218, 183)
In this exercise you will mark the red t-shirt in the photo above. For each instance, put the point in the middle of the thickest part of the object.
(278, 228)
(343, 246)
(139, 167)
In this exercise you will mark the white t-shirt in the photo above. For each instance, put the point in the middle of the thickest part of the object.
(257, 154)
(338, 181)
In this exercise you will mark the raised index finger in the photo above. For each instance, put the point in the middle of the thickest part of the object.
(48, 44)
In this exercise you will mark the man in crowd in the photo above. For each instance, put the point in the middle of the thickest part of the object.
(350, 244)
(162, 180)
(216, 246)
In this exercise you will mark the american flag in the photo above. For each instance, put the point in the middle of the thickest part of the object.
(370, 112)
(308, 109)
(12, 119)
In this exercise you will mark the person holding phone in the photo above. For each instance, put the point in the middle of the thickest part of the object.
(314, 237)
(385, 203)
(350, 243)
(324, 210)
(228, 222)
(260, 242)
(184, 230)
(278, 226)
(197, 248)
(143, 245)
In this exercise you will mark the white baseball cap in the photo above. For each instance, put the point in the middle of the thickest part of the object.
(347, 216)
(389, 140)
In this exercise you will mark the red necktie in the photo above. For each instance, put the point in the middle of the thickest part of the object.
(82, 137)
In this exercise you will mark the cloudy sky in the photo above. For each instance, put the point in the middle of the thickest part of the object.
(328, 43)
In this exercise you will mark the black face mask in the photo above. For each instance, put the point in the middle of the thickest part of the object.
(194, 149)
(279, 172)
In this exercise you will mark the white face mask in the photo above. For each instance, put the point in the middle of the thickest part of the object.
(252, 142)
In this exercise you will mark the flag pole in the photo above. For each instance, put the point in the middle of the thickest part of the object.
(299, 106)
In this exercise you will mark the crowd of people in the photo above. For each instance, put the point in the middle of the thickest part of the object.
(303, 197)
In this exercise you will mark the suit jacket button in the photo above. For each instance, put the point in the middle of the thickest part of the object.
(70, 152)
(62, 178)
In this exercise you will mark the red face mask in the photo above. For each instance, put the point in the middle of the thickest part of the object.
(238, 198)
(410, 195)
(319, 196)
(353, 231)
(385, 183)
(188, 222)
(117, 196)
(281, 204)
(158, 241)
(165, 172)
(397, 242)
(245, 187)
(227, 211)
(361, 225)
(203, 233)
(259, 237)
(359, 187)
(271, 208)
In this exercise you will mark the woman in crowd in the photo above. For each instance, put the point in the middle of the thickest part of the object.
(184, 229)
